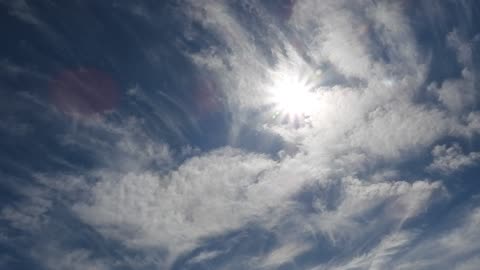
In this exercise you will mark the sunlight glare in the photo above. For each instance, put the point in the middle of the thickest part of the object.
(292, 96)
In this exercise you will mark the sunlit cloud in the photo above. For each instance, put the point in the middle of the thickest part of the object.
(292, 95)
(313, 134)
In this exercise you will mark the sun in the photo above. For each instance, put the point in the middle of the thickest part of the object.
(291, 95)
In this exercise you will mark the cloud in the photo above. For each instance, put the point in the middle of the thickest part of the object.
(371, 119)
(470, 264)
(359, 209)
(473, 120)
(376, 117)
(55, 258)
(204, 256)
(448, 248)
(228, 189)
(458, 94)
(336, 186)
(419, 127)
(30, 214)
(284, 254)
(381, 256)
(129, 145)
(206, 195)
(452, 247)
(448, 159)
(23, 10)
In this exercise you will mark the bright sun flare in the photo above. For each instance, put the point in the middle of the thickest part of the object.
(292, 96)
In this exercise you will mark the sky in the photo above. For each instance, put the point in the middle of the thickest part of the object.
(239, 134)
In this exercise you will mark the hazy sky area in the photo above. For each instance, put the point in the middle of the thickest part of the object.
(239, 134)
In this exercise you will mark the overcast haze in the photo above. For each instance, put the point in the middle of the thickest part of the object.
(242, 134)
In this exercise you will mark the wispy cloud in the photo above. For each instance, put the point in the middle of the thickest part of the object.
(338, 185)
(450, 159)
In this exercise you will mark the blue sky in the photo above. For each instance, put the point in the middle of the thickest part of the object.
(214, 134)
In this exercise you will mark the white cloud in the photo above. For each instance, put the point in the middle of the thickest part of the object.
(392, 204)
(448, 159)
(473, 120)
(451, 248)
(458, 94)
(284, 254)
(371, 115)
(205, 256)
(29, 214)
(207, 195)
(380, 256)
(462, 48)
(246, 65)
(448, 248)
(227, 189)
(129, 147)
(395, 130)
